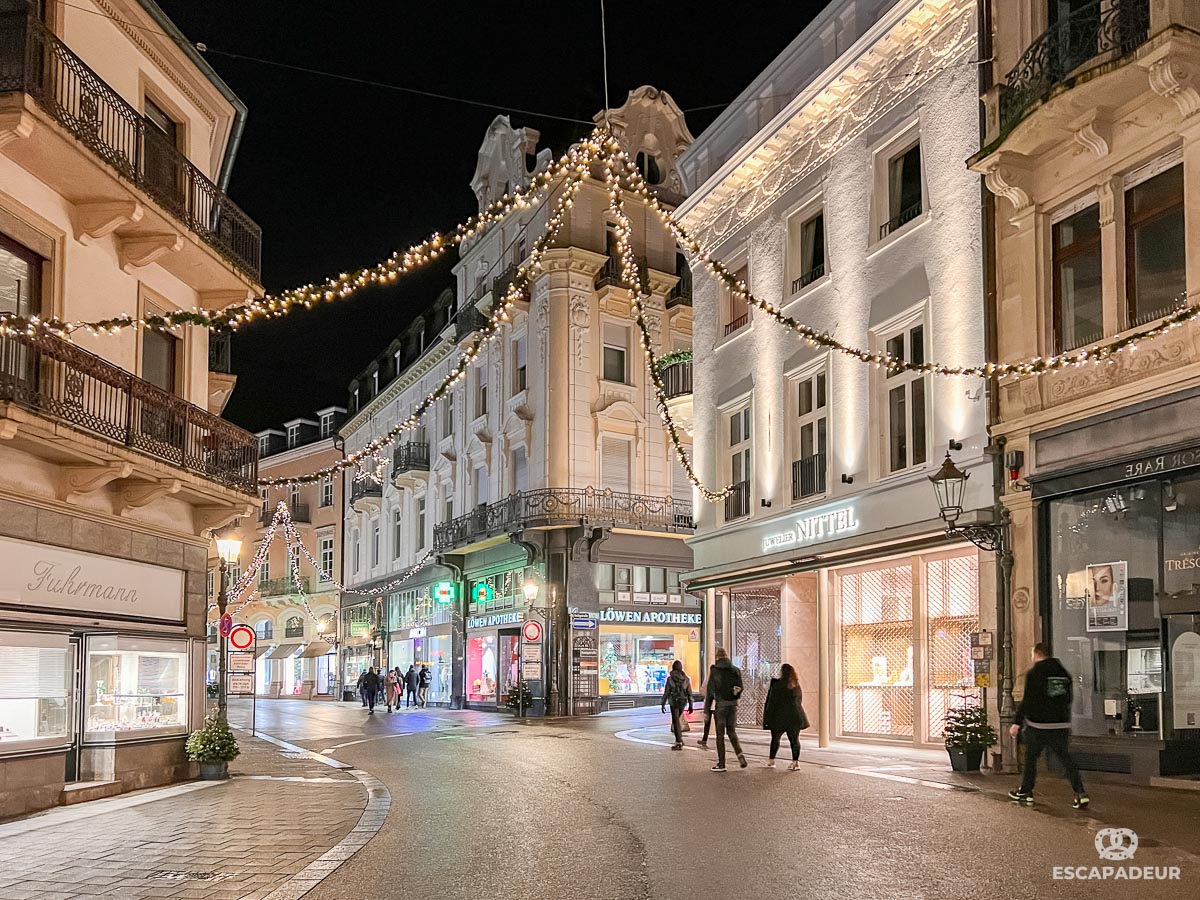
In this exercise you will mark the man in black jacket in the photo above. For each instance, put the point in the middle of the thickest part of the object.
(1045, 711)
(724, 688)
(370, 686)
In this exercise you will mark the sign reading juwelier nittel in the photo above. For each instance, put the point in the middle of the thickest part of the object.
(815, 527)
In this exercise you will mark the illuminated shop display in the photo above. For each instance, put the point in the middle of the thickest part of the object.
(35, 695)
(134, 687)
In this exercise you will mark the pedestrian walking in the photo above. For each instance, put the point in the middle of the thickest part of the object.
(392, 687)
(724, 689)
(1045, 713)
(371, 689)
(783, 713)
(677, 694)
(424, 679)
(410, 686)
(708, 715)
(362, 693)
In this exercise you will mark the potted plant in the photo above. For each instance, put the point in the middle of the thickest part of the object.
(968, 735)
(213, 746)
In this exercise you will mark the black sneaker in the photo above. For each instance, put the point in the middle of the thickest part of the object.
(677, 746)
(703, 745)
(719, 769)
(742, 761)
(1081, 801)
(1020, 796)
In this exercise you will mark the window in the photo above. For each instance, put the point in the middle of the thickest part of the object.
(907, 402)
(374, 543)
(737, 502)
(615, 465)
(326, 425)
(264, 448)
(480, 481)
(647, 165)
(264, 571)
(520, 477)
(807, 251)
(161, 159)
(810, 436)
(293, 435)
(447, 504)
(616, 344)
(904, 190)
(419, 533)
(36, 672)
(327, 491)
(448, 416)
(293, 498)
(481, 388)
(265, 631)
(325, 558)
(1154, 246)
(20, 277)
(265, 494)
(137, 686)
(397, 520)
(736, 312)
(519, 373)
(1078, 301)
(294, 628)
(375, 383)
(354, 400)
(357, 551)
(160, 353)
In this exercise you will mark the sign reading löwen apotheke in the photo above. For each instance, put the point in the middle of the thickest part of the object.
(651, 616)
(508, 618)
(806, 529)
(73, 581)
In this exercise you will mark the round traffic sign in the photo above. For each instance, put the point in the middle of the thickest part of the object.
(242, 637)
(225, 625)
(532, 631)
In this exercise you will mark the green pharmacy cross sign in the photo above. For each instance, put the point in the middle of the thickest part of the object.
(482, 592)
(445, 592)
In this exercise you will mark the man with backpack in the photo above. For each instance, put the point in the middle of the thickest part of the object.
(424, 678)
(724, 689)
(1045, 712)
(410, 687)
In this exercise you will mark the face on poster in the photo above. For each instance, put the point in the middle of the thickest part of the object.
(1108, 597)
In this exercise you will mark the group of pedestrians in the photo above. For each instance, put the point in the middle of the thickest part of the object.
(412, 686)
(783, 711)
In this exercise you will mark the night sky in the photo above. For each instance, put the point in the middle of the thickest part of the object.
(340, 174)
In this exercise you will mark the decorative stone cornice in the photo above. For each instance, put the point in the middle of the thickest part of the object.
(143, 249)
(15, 124)
(93, 221)
(1168, 79)
(77, 482)
(1004, 178)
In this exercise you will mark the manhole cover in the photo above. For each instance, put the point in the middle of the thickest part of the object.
(189, 876)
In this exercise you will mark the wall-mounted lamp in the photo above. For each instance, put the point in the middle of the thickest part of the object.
(955, 445)
(847, 479)
(765, 503)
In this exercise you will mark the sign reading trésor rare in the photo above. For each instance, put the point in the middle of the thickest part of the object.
(74, 581)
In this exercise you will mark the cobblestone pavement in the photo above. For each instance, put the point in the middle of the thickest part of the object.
(279, 814)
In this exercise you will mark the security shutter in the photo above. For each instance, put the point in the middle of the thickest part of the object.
(614, 465)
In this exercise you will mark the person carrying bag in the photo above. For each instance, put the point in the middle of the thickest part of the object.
(678, 694)
(783, 713)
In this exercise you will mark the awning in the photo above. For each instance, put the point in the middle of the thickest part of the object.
(259, 650)
(317, 648)
(283, 651)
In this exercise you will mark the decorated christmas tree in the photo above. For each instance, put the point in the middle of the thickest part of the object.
(608, 665)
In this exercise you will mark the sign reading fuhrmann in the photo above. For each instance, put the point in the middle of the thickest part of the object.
(73, 581)
(814, 527)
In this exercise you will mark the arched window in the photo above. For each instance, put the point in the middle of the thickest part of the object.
(212, 634)
(265, 630)
(648, 166)
(294, 627)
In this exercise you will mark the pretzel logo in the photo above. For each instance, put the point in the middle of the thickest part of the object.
(1116, 844)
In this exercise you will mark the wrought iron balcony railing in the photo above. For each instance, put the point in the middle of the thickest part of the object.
(808, 476)
(737, 501)
(900, 219)
(410, 457)
(1118, 26)
(281, 587)
(468, 320)
(501, 282)
(298, 511)
(57, 379)
(220, 353)
(34, 61)
(365, 489)
(810, 276)
(610, 273)
(681, 294)
(677, 379)
(737, 324)
(563, 506)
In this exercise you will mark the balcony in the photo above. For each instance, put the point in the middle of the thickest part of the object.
(58, 380)
(283, 587)
(550, 507)
(808, 477)
(813, 274)
(298, 511)
(366, 496)
(410, 464)
(1106, 29)
(501, 282)
(610, 274)
(468, 321)
(677, 386)
(897, 222)
(34, 62)
(737, 501)
(681, 293)
(737, 324)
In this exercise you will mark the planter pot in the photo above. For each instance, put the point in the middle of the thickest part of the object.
(965, 759)
(214, 771)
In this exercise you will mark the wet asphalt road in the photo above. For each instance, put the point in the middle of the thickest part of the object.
(486, 807)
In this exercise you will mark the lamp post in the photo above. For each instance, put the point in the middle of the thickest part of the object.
(950, 484)
(530, 590)
(228, 549)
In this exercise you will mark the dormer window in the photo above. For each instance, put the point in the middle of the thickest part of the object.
(648, 166)
(326, 424)
(293, 435)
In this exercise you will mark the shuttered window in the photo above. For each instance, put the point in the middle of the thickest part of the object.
(520, 478)
(35, 701)
(614, 465)
(681, 488)
(481, 486)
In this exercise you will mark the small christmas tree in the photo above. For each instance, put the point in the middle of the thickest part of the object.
(520, 698)
(608, 665)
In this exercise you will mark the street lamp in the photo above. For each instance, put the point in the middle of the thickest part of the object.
(950, 485)
(228, 550)
(530, 589)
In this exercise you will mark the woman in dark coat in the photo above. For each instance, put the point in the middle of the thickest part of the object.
(677, 694)
(784, 714)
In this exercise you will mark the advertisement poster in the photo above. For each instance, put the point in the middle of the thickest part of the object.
(1108, 596)
(1185, 680)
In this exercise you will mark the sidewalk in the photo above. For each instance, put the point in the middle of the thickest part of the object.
(247, 837)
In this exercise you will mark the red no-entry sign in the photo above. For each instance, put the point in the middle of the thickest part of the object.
(241, 637)
(532, 631)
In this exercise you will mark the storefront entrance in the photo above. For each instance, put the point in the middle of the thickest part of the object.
(755, 627)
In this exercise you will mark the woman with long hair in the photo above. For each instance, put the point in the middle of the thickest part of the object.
(677, 694)
(783, 714)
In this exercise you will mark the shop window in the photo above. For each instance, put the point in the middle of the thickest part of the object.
(615, 464)
(809, 435)
(1154, 246)
(327, 491)
(294, 628)
(876, 610)
(739, 454)
(904, 190)
(35, 690)
(439, 658)
(635, 659)
(481, 669)
(806, 249)
(735, 308)
(952, 598)
(616, 352)
(1078, 299)
(755, 620)
(135, 687)
(20, 279)
(1104, 597)
(907, 402)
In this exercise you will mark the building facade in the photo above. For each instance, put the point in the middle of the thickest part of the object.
(116, 140)
(294, 615)
(1092, 140)
(835, 186)
(543, 486)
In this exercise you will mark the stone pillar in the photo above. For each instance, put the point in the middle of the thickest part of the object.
(826, 654)
(799, 641)
(1027, 626)
(1112, 253)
